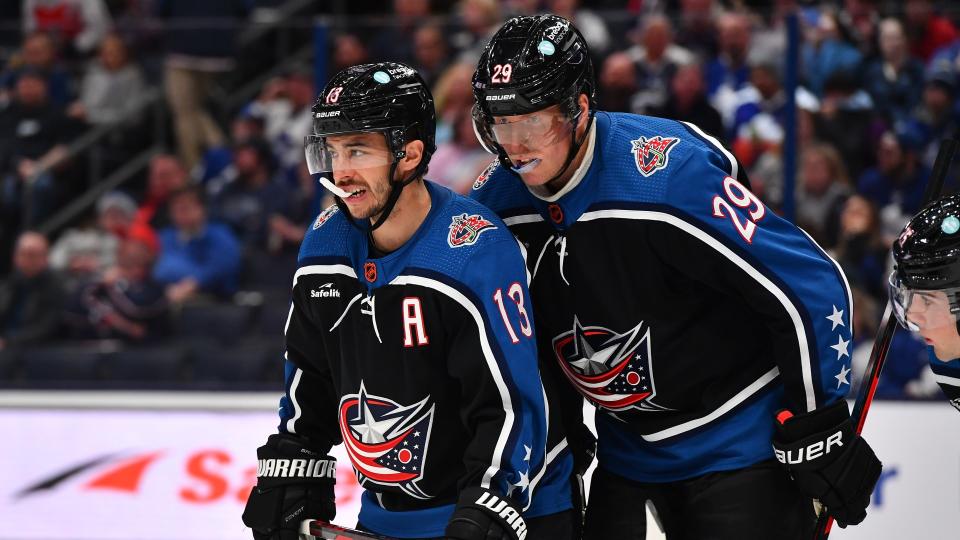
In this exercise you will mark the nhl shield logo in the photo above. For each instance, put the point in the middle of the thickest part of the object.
(652, 154)
(613, 371)
(386, 442)
(465, 230)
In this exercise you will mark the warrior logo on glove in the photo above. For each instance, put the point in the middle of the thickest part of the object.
(613, 371)
(386, 442)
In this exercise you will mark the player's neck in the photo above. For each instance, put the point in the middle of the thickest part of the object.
(411, 209)
(554, 186)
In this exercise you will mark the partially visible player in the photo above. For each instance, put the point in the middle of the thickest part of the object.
(711, 334)
(408, 340)
(925, 287)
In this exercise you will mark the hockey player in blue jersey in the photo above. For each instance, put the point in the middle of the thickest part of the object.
(409, 340)
(925, 287)
(711, 335)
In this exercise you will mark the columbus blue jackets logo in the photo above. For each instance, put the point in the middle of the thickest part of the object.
(612, 370)
(465, 230)
(485, 175)
(652, 154)
(386, 442)
(325, 215)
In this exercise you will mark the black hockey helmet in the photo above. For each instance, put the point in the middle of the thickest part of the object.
(927, 258)
(385, 97)
(531, 63)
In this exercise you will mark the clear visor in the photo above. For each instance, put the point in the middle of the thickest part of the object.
(348, 152)
(918, 309)
(523, 134)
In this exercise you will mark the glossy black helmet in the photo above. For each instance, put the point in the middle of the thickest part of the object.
(531, 63)
(385, 97)
(927, 253)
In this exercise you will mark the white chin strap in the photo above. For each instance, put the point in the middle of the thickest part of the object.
(325, 182)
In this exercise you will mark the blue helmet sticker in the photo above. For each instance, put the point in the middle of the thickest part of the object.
(950, 225)
(381, 77)
(546, 48)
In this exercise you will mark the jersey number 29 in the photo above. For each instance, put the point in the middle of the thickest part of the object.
(741, 197)
(514, 293)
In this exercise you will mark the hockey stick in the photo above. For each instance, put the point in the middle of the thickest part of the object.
(321, 530)
(888, 325)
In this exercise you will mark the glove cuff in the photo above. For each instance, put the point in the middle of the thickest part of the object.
(815, 439)
(498, 507)
(286, 459)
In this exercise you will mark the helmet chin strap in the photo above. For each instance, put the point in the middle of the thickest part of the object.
(396, 187)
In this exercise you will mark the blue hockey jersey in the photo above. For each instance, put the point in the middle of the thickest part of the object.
(947, 375)
(423, 364)
(671, 298)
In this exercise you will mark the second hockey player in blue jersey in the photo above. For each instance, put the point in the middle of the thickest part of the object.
(409, 340)
(711, 335)
(925, 287)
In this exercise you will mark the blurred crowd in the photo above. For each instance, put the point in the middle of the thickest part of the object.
(220, 215)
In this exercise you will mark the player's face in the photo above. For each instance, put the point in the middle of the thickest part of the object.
(930, 312)
(361, 164)
(537, 143)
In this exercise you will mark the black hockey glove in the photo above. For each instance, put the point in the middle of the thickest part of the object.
(293, 483)
(484, 515)
(828, 460)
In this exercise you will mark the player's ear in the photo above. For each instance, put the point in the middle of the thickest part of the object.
(409, 162)
(583, 103)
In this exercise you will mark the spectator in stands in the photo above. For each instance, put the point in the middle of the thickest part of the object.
(431, 54)
(195, 56)
(126, 303)
(112, 85)
(656, 58)
(895, 80)
(258, 193)
(729, 72)
(938, 115)
(196, 255)
(757, 123)
(687, 102)
(166, 175)
(858, 22)
(85, 253)
(478, 20)
(348, 50)
(823, 188)
(860, 249)
(452, 96)
(290, 227)
(78, 25)
(33, 136)
(895, 185)
(618, 82)
(593, 28)
(395, 40)
(696, 30)
(926, 29)
(31, 299)
(846, 120)
(457, 162)
(286, 135)
(38, 55)
(217, 169)
(824, 53)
